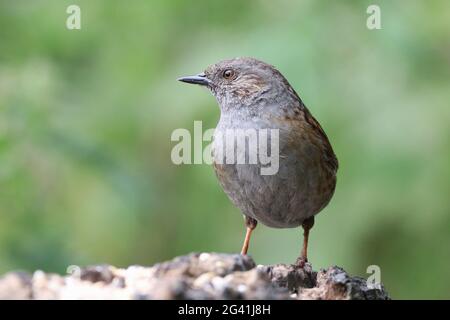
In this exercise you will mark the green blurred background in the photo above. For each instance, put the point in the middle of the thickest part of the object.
(86, 117)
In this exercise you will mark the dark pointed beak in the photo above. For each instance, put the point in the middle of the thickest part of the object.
(200, 79)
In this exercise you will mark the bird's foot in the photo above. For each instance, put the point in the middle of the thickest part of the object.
(301, 262)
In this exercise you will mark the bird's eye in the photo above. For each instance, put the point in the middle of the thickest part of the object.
(228, 74)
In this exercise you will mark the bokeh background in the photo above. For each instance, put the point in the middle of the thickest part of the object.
(86, 117)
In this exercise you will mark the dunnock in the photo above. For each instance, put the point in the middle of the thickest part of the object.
(253, 94)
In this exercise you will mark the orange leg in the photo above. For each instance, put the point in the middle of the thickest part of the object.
(250, 223)
(307, 225)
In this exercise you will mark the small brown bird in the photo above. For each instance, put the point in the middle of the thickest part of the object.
(254, 95)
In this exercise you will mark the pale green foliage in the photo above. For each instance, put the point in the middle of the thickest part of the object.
(86, 117)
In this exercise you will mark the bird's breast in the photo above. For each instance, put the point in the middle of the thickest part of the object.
(299, 188)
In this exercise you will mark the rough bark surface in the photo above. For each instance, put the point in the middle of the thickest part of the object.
(194, 276)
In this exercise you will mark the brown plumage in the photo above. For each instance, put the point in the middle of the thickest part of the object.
(254, 95)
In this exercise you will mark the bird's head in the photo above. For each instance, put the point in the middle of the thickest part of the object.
(244, 82)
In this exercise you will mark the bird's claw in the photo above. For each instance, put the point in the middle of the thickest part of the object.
(301, 261)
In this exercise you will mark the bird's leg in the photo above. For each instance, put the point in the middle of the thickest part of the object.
(250, 223)
(306, 225)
